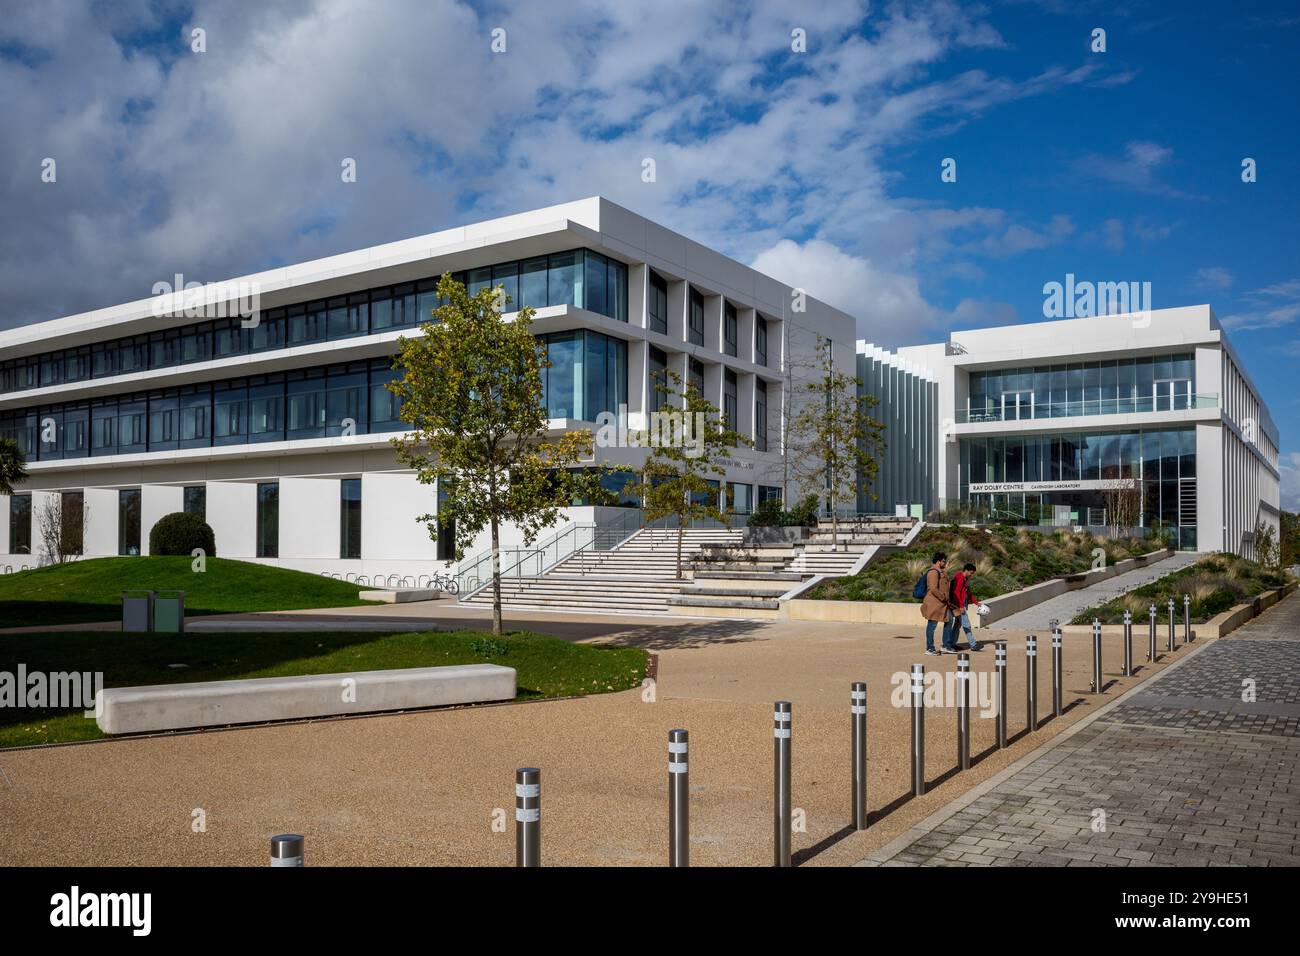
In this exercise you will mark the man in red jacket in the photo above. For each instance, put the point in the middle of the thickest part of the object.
(961, 597)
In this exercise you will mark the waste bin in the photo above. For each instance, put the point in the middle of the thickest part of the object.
(137, 611)
(169, 612)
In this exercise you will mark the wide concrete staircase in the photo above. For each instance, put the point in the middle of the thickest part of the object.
(636, 577)
(850, 541)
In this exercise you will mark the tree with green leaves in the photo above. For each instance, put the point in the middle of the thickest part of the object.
(834, 442)
(471, 394)
(13, 466)
(691, 442)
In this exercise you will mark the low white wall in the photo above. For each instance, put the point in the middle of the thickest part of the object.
(232, 515)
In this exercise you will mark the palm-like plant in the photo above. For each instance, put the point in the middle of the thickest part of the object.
(13, 466)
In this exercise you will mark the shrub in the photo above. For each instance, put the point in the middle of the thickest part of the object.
(181, 533)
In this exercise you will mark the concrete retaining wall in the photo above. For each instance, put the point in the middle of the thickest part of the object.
(132, 710)
(889, 612)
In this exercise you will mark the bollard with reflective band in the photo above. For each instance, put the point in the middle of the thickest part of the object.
(1000, 668)
(1056, 672)
(286, 849)
(1128, 643)
(1096, 656)
(963, 711)
(679, 800)
(528, 817)
(781, 810)
(918, 730)
(1031, 682)
(858, 718)
(1172, 637)
(1151, 650)
(1187, 619)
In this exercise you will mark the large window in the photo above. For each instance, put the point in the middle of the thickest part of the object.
(20, 524)
(695, 375)
(588, 374)
(1105, 387)
(760, 415)
(268, 520)
(729, 404)
(695, 317)
(194, 500)
(729, 328)
(657, 368)
(760, 340)
(72, 516)
(657, 302)
(350, 518)
(578, 277)
(128, 521)
(323, 401)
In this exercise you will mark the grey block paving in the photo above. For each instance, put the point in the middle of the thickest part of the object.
(1065, 606)
(1184, 773)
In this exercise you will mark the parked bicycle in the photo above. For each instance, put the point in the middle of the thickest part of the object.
(445, 582)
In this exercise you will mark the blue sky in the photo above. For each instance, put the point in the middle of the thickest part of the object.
(821, 167)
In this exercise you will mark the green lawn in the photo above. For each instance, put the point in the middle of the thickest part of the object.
(1006, 559)
(547, 666)
(91, 590)
(1215, 585)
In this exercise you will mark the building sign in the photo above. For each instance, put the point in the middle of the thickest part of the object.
(1104, 484)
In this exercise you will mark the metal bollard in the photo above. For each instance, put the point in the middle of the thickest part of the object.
(1187, 619)
(1000, 669)
(1172, 638)
(918, 730)
(858, 717)
(781, 810)
(963, 710)
(528, 817)
(1128, 643)
(286, 849)
(1056, 672)
(679, 800)
(1031, 687)
(1096, 656)
(1151, 649)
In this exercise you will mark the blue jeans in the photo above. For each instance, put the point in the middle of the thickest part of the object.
(949, 633)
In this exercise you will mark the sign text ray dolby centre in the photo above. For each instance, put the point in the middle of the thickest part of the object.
(1091, 484)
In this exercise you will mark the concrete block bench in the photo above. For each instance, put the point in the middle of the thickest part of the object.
(133, 710)
(400, 595)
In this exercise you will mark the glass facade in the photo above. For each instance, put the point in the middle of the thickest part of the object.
(729, 329)
(730, 406)
(128, 521)
(579, 277)
(1141, 384)
(268, 520)
(20, 524)
(588, 374)
(760, 340)
(1161, 462)
(350, 518)
(305, 403)
(657, 303)
(760, 415)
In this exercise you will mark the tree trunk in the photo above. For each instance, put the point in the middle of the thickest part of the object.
(496, 578)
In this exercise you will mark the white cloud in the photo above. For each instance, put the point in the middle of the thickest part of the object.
(889, 306)
(1213, 277)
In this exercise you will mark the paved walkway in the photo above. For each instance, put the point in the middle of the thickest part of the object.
(1181, 772)
(1066, 606)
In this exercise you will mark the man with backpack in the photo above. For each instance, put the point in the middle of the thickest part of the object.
(936, 605)
(963, 598)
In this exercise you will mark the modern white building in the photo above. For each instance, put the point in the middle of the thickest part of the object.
(1038, 421)
(278, 432)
